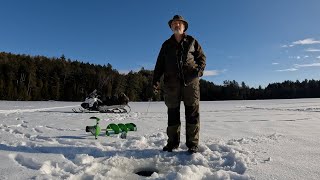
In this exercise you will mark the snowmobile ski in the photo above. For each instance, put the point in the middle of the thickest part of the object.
(82, 110)
(115, 109)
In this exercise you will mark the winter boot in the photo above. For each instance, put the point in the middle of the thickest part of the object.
(193, 149)
(169, 148)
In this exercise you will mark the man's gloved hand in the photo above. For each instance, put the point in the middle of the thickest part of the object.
(156, 88)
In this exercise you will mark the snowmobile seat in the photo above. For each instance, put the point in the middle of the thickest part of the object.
(120, 99)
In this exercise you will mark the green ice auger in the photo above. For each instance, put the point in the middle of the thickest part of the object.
(96, 127)
(111, 128)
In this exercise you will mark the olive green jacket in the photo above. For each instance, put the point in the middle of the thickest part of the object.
(179, 62)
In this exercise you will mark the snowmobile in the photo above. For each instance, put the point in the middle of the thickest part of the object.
(93, 103)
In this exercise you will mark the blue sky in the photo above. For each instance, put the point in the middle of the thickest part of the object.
(258, 42)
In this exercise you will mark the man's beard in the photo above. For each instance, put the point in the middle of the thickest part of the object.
(177, 31)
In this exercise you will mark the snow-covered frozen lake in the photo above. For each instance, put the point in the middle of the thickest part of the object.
(271, 139)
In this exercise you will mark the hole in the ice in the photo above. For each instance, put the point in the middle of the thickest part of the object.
(146, 172)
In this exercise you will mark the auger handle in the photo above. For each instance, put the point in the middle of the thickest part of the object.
(98, 129)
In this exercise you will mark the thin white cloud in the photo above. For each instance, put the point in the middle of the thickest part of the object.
(294, 57)
(307, 65)
(275, 63)
(298, 57)
(306, 41)
(213, 72)
(298, 66)
(286, 70)
(286, 46)
(312, 50)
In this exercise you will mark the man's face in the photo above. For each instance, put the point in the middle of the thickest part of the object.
(177, 27)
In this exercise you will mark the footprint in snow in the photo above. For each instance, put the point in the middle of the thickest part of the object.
(25, 161)
(37, 130)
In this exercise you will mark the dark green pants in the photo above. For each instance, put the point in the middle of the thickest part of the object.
(190, 95)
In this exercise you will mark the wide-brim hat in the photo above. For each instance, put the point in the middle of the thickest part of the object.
(178, 18)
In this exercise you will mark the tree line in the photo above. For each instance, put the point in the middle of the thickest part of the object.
(25, 77)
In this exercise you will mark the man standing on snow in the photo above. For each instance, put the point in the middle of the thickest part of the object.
(181, 61)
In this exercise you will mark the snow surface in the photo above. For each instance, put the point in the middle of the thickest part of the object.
(271, 139)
